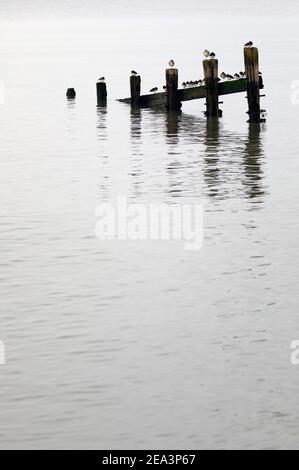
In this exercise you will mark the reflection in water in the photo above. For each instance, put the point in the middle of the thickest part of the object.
(197, 158)
(71, 111)
(172, 126)
(137, 171)
(174, 164)
(253, 154)
(104, 183)
(211, 168)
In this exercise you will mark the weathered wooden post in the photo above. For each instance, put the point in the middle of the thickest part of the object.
(71, 93)
(251, 59)
(210, 68)
(101, 93)
(135, 87)
(172, 79)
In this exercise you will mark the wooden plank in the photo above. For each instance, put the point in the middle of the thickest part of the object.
(228, 87)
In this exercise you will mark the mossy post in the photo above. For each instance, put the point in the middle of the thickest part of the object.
(135, 87)
(101, 93)
(172, 79)
(251, 59)
(210, 68)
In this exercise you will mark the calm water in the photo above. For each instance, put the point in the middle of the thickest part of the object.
(145, 345)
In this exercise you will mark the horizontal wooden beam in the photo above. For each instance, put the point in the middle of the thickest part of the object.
(228, 87)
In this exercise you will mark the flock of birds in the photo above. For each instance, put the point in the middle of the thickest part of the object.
(208, 55)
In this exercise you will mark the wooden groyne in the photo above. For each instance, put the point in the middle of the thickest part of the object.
(213, 87)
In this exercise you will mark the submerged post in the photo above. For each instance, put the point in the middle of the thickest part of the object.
(135, 87)
(101, 93)
(251, 58)
(71, 93)
(172, 79)
(210, 67)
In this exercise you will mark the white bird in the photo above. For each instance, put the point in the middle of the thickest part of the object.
(206, 53)
(171, 63)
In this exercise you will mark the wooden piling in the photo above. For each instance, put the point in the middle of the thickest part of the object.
(251, 59)
(101, 93)
(135, 87)
(172, 78)
(71, 93)
(210, 67)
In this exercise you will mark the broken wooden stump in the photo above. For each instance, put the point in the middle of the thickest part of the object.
(172, 99)
(101, 93)
(251, 59)
(71, 93)
(210, 67)
(135, 88)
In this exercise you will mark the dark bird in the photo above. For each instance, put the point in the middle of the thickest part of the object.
(242, 74)
(212, 55)
(237, 76)
(153, 90)
(164, 87)
(171, 63)
(102, 79)
(248, 44)
(230, 77)
(206, 53)
(223, 75)
(184, 84)
(199, 82)
(133, 72)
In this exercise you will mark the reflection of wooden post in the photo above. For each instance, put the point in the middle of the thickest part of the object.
(101, 93)
(210, 67)
(251, 58)
(135, 86)
(172, 78)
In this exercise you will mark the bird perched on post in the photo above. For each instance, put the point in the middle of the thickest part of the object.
(206, 53)
(133, 72)
(171, 63)
(102, 79)
(248, 44)
(212, 55)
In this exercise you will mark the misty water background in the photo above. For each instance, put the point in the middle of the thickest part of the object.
(144, 345)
